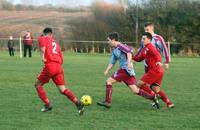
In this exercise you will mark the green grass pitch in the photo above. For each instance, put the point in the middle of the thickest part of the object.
(20, 105)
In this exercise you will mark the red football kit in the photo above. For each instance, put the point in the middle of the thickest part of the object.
(153, 60)
(53, 60)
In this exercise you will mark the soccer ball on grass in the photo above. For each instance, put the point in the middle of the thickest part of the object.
(86, 100)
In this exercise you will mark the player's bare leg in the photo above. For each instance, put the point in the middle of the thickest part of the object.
(163, 96)
(108, 98)
(42, 94)
(70, 95)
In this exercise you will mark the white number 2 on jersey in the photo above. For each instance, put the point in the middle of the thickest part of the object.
(54, 48)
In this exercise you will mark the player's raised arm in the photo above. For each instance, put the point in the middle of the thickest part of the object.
(140, 56)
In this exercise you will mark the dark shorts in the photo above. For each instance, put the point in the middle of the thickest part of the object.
(121, 75)
(153, 77)
(52, 71)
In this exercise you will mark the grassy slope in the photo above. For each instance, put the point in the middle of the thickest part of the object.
(16, 23)
(19, 104)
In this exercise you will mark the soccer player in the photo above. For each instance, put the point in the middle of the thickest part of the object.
(53, 60)
(28, 44)
(11, 45)
(158, 42)
(153, 76)
(125, 73)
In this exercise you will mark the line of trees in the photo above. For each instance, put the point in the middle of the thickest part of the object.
(176, 20)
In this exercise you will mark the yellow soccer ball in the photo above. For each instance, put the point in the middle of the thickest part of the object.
(86, 100)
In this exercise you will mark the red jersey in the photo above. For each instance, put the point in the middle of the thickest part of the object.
(52, 50)
(151, 55)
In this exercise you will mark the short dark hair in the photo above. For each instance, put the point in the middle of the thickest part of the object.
(148, 35)
(148, 24)
(47, 31)
(113, 35)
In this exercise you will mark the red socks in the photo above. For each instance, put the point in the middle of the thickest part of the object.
(70, 95)
(42, 94)
(164, 97)
(108, 93)
(142, 93)
(146, 95)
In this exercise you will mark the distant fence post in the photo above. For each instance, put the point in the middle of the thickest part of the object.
(20, 47)
(71, 49)
(98, 49)
(93, 47)
(87, 49)
(104, 50)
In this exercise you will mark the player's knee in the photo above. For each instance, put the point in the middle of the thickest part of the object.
(61, 89)
(139, 84)
(108, 82)
(156, 89)
(64, 91)
(61, 92)
(36, 84)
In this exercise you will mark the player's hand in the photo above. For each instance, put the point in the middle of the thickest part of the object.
(159, 63)
(105, 72)
(44, 60)
(166, 66)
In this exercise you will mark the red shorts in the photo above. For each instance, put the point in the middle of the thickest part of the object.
(122, 75)
(153, 77)
(52, 71)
